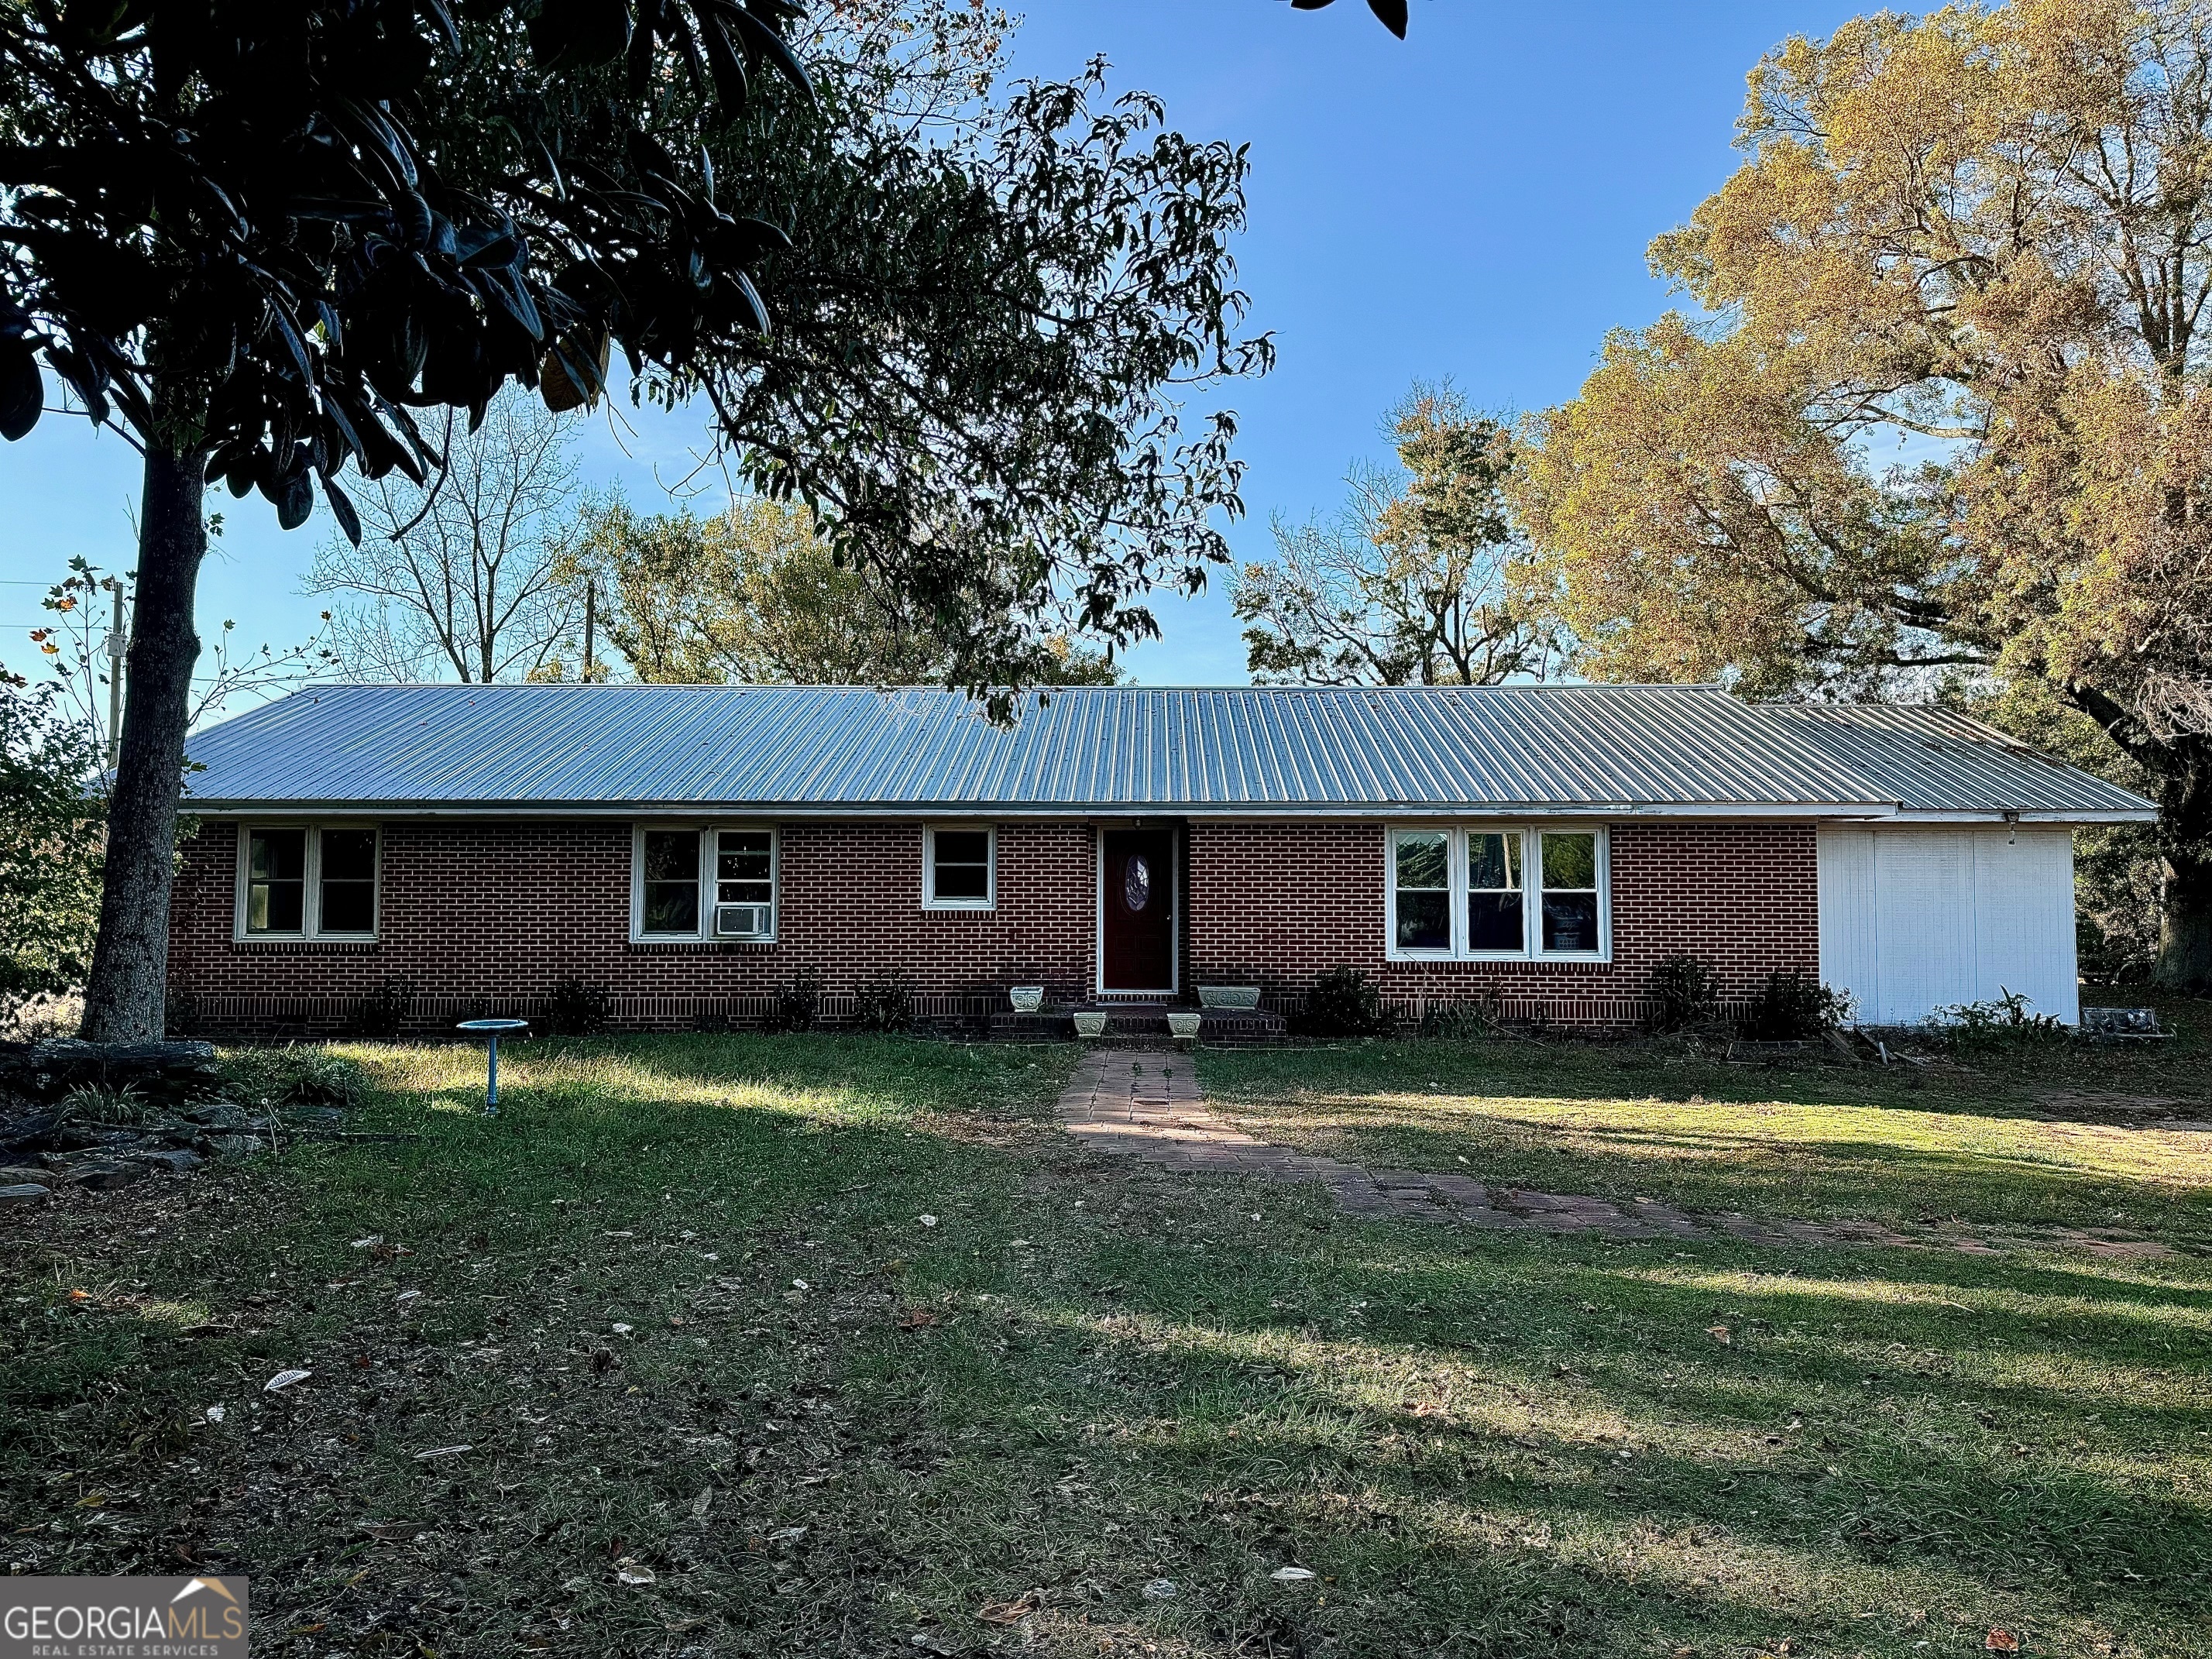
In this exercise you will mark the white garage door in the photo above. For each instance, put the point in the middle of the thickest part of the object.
(1914, 918)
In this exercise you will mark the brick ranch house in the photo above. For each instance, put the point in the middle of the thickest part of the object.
(686, 851)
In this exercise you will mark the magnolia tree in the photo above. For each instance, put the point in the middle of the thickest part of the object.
(262, 240)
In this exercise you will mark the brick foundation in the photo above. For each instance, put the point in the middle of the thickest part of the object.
(486, 917)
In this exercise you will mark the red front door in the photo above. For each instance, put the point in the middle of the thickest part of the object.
(1137, 906)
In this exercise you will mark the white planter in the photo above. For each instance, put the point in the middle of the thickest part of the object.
(1091, 1025)
(1026, 998)
(1228, 996)
(1182, 1027)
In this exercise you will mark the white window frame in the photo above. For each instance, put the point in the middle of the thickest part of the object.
(1531, 892)
(990, 899)
(709, 836)
(311, 898)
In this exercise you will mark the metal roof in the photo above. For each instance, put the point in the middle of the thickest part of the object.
(1937, 760)
(796, 749)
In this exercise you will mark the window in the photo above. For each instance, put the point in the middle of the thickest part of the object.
(745, 884)
(1423, 891)
(347, 890)
(671, 882)
(1570, 892)
(275, 881)
(305, 881)
(1499, 893)
(958, 869)
(1494, 919)
(689, 883)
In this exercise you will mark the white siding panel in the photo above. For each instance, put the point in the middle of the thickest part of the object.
(2024, 919)
(1914, 918)
(1849, 961)
(1923, 920)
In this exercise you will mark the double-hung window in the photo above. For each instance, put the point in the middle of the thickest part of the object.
(1499, 892)
(307, 881)
(959, 867)
(690, 882)
(1423, 923)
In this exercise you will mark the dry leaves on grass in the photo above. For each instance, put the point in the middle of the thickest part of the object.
(1011, 1613)
(917, 1319)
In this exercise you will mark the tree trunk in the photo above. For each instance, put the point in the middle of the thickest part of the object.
(125, 991)
(2182, 786)
(2185, 924)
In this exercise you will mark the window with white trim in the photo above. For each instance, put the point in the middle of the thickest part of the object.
(307, 881)
(1422, 922)
(959, 867)
(1499, 892)
(703, 882)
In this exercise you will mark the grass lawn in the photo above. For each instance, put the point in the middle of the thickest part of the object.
(2044, 1136)
(821, 1346)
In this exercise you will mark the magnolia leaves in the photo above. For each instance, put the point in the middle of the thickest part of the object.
(289, 251)
(578, 34)
(22, 389)
(1392, 12)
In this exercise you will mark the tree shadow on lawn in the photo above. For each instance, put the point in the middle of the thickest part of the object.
(1999, 1085)
(1081, 1378)
(1722, 1171)
(1895, 1474)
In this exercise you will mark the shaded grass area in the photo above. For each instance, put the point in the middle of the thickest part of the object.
(2030, 1137)
(833, 1427)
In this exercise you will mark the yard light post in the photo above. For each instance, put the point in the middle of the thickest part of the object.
(492, 1029)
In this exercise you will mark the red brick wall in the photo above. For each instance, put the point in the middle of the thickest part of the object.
(1280, 903)
(486, 917)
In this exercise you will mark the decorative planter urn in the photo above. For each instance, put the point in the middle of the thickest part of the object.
(1091, 1024)
(1246, 997)
(1026, 998)
(1183, 1027)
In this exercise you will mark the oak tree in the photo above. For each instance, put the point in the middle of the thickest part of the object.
(1944, 409)
(1420, 580)
(755, 596)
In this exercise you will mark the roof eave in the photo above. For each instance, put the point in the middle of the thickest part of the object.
(1821, 811)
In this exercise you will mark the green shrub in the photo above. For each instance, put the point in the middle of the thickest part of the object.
(381, 1015)
(798, 1004)
(2005, 1023)
(575, 1009)
(293, 1075)
(1684, 993)
(883, 1005)
(1791, 1007)
(97, 1106)
(1462, 1021)
(1344, 1002)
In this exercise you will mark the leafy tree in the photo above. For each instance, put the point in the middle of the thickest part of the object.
(1418, 582)
(49, 842)
(75, 648)
(755, 596)
(1947, 412)
(259, 237)
(465, 574)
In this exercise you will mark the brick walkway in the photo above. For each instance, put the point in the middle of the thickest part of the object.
(1145, 1104)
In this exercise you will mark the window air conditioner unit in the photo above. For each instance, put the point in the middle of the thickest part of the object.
(744, 920)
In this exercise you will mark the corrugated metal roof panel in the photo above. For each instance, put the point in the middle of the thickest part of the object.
(1937, 760)
(1399, 750)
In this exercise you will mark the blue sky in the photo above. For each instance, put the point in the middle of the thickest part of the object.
(1474, 203)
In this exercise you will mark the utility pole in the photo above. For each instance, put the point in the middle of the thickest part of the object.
(590, 621)
(118, 646)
